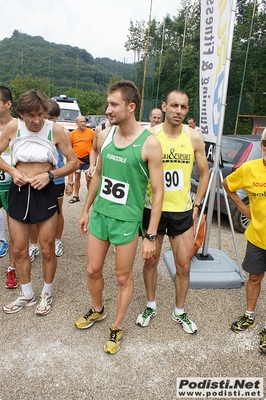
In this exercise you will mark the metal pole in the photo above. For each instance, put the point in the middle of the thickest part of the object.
(245, 67)
(145, 65)
(184, 38)
(160, 66)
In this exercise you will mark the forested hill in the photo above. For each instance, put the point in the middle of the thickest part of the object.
(63, 66)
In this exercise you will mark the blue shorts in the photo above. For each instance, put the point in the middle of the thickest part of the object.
(83, 167)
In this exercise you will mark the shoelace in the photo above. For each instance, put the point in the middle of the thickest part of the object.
(89, 313)
(243, 319)
(147, 312)
(45, 299)
(263, 335)
(184, 318)
(112, 335)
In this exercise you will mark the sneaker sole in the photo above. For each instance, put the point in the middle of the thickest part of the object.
(143, 325)
(11, 287)
(186, 330)
(92, 323)
(238, 330)
(7, 311)
(262, 351)
(111, 351)
(44, 312)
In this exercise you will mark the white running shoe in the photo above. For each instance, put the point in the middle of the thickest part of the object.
(45, 304)
(58, 248)
(33, 252)
(19, 303)
(188, 325)
(144, 318)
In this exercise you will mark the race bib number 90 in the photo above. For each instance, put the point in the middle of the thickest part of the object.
(173, 180)
(114, 191)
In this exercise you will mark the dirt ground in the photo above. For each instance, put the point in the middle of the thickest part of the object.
(47, 358)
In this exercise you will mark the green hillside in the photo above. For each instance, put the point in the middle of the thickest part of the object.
(62, 66)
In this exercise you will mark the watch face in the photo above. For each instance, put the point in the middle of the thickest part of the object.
(151, 236)
(51, 176)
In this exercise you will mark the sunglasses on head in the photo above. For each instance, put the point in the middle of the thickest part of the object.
(263, 141)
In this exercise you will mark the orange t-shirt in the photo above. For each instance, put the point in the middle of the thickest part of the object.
(82, 141)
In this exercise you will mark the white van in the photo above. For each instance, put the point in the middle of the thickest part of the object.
(69, 111)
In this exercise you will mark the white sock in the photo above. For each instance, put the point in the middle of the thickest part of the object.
(2, 226)
(251, 313)
(47, 288)
(11, 269)
(179, 311)
(151, 304)
(27, 290)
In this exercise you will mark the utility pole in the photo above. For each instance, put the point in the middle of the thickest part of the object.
(145, 66)
(245, 66)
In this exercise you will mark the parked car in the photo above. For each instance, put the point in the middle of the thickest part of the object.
(235, 149)
(93, 120)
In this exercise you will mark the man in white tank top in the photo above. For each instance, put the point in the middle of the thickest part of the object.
(32, 195)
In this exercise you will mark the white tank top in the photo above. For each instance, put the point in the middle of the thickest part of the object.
(30, 146)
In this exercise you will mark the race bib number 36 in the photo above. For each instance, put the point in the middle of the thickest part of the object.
(173, 180)
(114, 191)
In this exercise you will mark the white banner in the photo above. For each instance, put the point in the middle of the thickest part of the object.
(215, 22)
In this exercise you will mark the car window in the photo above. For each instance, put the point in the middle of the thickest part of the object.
(232, 149)
(66, 115)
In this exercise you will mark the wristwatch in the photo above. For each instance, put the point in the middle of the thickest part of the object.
(151, 236)
(197, 206)
(51, 176)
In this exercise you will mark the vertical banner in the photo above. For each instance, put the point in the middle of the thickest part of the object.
(214, 35)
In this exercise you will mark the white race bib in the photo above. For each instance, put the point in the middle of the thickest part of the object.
(173, 180)
(4, 176)
(114, 191)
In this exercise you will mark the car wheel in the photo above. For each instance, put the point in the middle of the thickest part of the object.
(240, 222)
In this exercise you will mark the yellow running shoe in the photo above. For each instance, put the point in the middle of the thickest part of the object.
(92, 316)
(243, 323)
(112, 344)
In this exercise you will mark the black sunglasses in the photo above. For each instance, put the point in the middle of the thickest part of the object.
(263, 141)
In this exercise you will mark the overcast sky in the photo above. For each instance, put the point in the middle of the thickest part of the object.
(98, 26)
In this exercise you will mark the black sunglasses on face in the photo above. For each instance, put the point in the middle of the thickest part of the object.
(263, 141)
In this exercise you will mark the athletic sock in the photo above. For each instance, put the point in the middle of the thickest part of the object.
(2, 226)
(27, 290)
(99, 311)
(251, 314)
(11, 269)
(151, 304)
(179, 311)
(47, 288)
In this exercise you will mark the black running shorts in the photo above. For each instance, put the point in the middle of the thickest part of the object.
(31, 206)
(171, 223)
